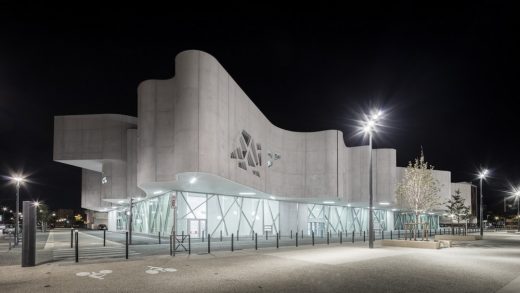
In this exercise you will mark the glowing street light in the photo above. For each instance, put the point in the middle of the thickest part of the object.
(369, 126)
(3, 214)
(482, 176)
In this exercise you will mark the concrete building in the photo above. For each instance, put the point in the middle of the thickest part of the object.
(200, 141)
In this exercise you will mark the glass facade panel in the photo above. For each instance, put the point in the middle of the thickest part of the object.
(201, 214)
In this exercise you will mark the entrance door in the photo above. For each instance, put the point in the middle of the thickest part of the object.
(317, 227)
(196, 228)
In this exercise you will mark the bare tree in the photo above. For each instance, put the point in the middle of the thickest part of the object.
(418, 191)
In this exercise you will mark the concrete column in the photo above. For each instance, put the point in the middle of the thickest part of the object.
(29, 234)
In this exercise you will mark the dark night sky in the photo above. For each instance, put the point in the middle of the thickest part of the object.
(447, 75)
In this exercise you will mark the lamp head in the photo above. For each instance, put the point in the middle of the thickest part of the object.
(377, 115)
(483, 174)
(371, 120)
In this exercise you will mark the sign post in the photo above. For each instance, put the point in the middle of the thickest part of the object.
(29, 235)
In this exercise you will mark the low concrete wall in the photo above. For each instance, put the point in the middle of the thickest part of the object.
(458, 237)
(411, 244)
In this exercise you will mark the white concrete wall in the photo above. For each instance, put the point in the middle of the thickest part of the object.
(131, 165)
(192, 123)
(357, 174)
(465, 191)
(91, 191)
(98, 144)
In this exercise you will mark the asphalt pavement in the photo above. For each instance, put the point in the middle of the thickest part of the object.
(489, 265)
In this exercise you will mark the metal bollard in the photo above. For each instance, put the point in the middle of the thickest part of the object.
(202, 236)
(189, 244)
(175, 242)
(296, 239)
(220, 235)
(391, 237)
(171, 245)
(126, 250)
(352, 236)
(253, 236)
(341, 237)
(291, 234)
(237, 236)
(232, 237)
(398, 234)
(71, 237)
(302, 234)
(256, 241)
(382, 235)
(312, 233)
(159, 237)
(209, 243)
(364, 236)
(77, 248)
(104, 237)
(266, 235)
(328, 238)
(277, 239)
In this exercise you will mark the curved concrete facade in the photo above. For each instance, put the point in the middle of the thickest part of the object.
(199, 132)
(194, 121)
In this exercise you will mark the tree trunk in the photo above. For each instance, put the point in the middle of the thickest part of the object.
(415, 227)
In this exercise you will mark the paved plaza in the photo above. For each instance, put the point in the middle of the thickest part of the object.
(490, 265)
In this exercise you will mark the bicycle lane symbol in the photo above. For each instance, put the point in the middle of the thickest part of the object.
(96, 275)
(155, 270)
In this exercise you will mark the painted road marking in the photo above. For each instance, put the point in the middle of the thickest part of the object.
(99, 276)
(155, 270)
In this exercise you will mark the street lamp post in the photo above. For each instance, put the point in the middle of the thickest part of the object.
(481, 176)
(368, 128)
(517, 195)
(18, 181)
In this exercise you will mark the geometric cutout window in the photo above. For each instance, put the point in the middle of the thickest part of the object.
(248, 153)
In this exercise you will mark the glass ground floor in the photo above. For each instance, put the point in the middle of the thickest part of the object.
(200, 214)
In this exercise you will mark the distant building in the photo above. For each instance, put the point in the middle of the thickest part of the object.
(64, 214)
